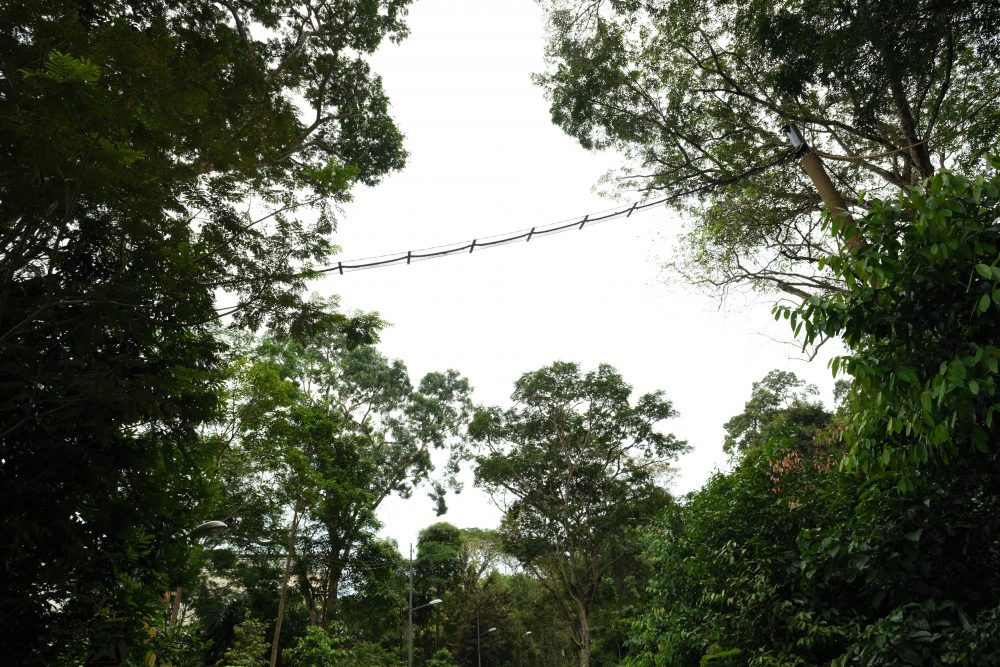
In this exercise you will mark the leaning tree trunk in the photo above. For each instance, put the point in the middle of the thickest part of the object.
(284, 587)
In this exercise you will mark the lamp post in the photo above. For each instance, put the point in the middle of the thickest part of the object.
(200, 532)
(409, 624)
(409, 650)
(479, 636)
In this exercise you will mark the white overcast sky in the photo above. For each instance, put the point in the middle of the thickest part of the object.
(484, 160)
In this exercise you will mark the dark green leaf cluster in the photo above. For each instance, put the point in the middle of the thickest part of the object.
(153, 156)
(249, 646)
(892, 558)
(482, 588)
(789, 560)
(777, 409)
(919, 318)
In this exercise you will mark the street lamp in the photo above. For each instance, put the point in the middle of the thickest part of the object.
(208, 529)
(479, 635)
(528, 634)
(200, 532)
(409, 626)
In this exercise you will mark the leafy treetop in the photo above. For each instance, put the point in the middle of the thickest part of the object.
(694, 92)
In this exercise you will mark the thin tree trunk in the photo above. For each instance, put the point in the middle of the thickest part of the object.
(284, 587)
(176, 607)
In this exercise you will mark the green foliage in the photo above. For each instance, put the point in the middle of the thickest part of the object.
(575, 465)
(375, 585)
(365, 654)
(322, 431)
(249, 644)
(978, 642)
(694, 92)
(794, 561)
(775, 404)
(919, 318)
(64, 68)
(719, 657)
(334, 647)
(468, 570)
(319, 648)
(184, 645)
(438, 565)
(154, 155)
(727, 571)
(442, 658)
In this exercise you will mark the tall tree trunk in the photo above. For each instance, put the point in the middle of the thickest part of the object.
(284, 587)
(340, 552)
(584, 635)
(335, 572)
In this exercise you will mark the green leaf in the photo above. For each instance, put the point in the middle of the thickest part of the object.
(64, 68)
(925, 402)
(906, 373)
(979, 440)
(885, 457)
(914, 535)
(985, 271)
(984, 304)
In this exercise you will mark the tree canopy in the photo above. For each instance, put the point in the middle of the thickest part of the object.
(919, 320)
(693, 93)
(575, 466)
(322, 433)
(170, 174)
(153, 156)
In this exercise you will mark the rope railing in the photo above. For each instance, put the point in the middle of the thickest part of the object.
(527, 235)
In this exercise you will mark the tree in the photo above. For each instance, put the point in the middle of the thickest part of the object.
(439, 559)
(693, 93)
(462, 567)
(790, 559)
(889, 558)
(319, 648)
(437, 572)
(727, 585)
(776, 403)
(374, 586)
(481, 600)
(153, 154)
(468, 569)
(189, 110)
(575, 466)
(322, 431)
(918, 319)
(442, 658)
(249, 645)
